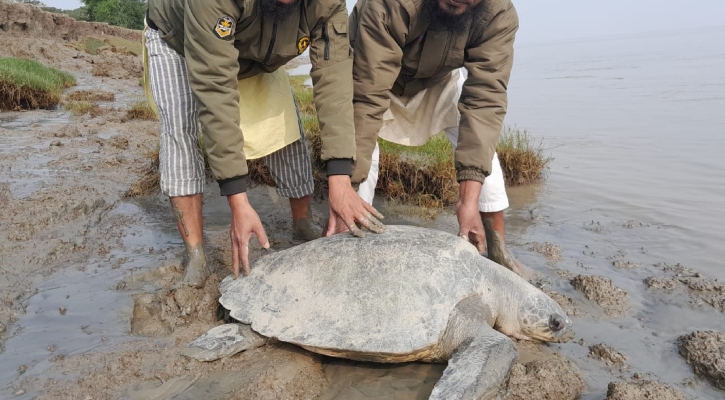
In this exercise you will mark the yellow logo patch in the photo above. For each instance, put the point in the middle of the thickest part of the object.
(303, 44)
(224, 27)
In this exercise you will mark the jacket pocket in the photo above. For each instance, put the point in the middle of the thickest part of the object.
(340, 43)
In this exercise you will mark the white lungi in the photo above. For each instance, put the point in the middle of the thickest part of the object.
(412, 121)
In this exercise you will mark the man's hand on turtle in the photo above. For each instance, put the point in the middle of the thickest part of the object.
(245, 222)
(348, 210)
(470, 226)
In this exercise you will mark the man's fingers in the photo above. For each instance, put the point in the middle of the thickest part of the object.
(329, 227)
(357, 232)
(375, 225)
(261, 236)
(235, 258)
(245, 259)
(478, 240)
(373, 211)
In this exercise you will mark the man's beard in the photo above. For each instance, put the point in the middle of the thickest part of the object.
(277, 10)
(456, 24)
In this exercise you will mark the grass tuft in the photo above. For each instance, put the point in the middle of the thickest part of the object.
(141, 110)
(28, 84)
(83, 107)
(148, 184)
(522, 157)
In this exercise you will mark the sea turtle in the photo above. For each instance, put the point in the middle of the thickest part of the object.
(407, 294)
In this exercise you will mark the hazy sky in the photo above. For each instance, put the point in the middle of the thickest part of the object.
(553, 20)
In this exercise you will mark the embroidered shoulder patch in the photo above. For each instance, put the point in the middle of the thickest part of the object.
(302, 45)
(224, 27)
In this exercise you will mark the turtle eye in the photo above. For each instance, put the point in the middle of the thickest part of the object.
(556, 322)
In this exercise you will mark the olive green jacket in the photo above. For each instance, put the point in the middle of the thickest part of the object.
(226, 40)
(397, 50)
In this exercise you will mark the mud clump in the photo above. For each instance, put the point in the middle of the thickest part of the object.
(158, 314)
(555, 378)
(703, 291)
(550, 251)
(607, 354)
(602, 291)
(642, 390)
(658, 282)
(702, 284)
(705, 352)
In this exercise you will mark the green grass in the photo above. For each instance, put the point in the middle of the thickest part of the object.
(438, 149)
(29, 84)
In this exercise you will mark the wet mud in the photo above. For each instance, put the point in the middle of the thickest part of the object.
(643, 390)
(608, 355)
(602, 291)
(91, 304)
(705, 352)
(702, 291)
(554, 377)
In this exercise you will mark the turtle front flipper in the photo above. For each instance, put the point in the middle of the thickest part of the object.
(479, 357)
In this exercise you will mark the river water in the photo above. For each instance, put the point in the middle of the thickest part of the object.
(635, 126)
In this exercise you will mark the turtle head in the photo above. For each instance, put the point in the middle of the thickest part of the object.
(541, 318)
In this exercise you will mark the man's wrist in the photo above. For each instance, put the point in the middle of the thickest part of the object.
(237, 201)
(469, 191)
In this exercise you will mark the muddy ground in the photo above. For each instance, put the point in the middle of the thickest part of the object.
(90, 306)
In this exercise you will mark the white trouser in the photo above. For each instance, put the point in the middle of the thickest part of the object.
(493, 196)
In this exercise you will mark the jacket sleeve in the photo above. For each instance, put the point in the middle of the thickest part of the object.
(331, 75)
(378, 52)
(483, 100)
(213, 68)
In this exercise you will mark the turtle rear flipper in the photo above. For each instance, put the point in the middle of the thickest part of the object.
(481, 358)
(223, 341)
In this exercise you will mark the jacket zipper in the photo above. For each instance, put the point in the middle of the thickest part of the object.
(445, 54)
(271, 42)
(326, 37)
